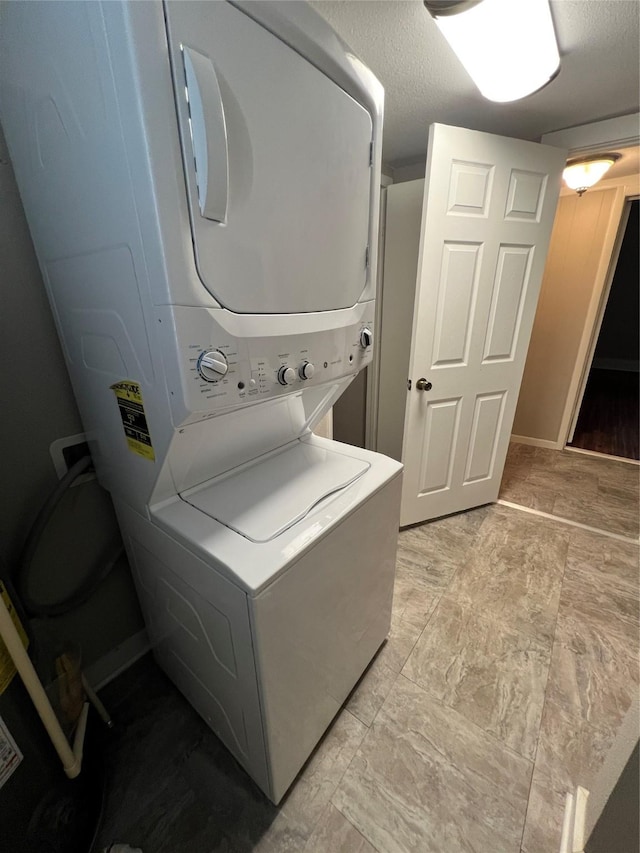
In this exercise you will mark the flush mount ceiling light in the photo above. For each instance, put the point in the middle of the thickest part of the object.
(582, 173)
(508, 47)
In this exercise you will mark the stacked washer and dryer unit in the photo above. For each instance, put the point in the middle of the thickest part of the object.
(201, 183)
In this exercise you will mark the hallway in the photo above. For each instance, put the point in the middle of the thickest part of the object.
(610, 414)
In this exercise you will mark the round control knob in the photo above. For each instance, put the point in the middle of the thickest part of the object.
(306, 370)
(213, 365)
(286, 375)
(366, 338)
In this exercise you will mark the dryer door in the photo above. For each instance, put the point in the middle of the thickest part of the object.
(277, 165)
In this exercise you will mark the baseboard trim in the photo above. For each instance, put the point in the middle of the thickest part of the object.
(573, 825)
(603, 455)
(536, 442)
(628, 539)
(104, 670)
(625, 365)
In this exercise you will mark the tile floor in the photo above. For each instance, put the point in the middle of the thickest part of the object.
(592, 490)
(511, 661)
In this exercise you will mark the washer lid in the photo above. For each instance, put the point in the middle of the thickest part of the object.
(270, 496)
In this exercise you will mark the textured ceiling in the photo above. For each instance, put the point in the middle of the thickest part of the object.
(424, 83)
(629, 163)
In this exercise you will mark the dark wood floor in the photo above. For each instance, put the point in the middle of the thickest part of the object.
(609, 417)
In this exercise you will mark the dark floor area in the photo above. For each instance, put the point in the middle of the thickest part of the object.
(609, 416)
(172, 786)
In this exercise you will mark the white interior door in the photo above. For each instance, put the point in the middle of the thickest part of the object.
(488, 209)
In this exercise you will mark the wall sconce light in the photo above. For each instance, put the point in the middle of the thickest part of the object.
(582, 173)
(508, 47)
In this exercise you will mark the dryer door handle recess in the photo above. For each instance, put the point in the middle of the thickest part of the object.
(208, 134)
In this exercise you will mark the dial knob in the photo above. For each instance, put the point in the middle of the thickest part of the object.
(286, 375)
(306, 370)
(213, 365)
(366, 338)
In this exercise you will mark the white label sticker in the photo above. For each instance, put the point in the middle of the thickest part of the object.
(10, 755)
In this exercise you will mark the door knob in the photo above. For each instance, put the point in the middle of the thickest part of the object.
(423, 385)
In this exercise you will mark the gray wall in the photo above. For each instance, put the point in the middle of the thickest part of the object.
(617, 828)
(38, 407)
(349, 412)
(37, 401)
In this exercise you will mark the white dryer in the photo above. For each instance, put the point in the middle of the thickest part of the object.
(201, 183)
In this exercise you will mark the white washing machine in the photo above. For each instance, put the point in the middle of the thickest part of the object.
(268, 591)
(201, 182)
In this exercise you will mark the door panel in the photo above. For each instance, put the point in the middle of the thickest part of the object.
(525, 196)
(485, 429)
(261, 129)
(488, 209)
(507, 302)
(441, 422)
(469, 188)
(454, 313)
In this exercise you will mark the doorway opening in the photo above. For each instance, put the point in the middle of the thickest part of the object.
(609, 417)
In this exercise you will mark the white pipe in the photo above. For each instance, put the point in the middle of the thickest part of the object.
(78, 740)
(97, 704)
(22, 661)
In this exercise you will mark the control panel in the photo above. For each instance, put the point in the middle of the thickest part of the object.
(221, 371)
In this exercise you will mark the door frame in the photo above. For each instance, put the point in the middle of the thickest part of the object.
(599, 295)
(373, 369)
(599, 317)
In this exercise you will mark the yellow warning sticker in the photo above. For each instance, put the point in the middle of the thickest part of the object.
(7, 666)
(134, 420)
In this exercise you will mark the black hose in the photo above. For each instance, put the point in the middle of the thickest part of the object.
(80, 595)
(42, 518)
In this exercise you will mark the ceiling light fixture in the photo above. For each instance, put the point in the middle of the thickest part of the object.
(582, 173)
(508, 47)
